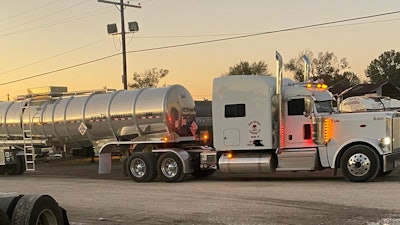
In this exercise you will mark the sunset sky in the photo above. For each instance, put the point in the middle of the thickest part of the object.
(38, 37)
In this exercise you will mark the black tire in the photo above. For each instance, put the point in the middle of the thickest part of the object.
(141, 166)
(4, 220)
(19, 168)
(360, 163)
(170, 167)
(2, 170)
(37, 209)
(7, 204)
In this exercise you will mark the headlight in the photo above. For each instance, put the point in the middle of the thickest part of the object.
(385, 141)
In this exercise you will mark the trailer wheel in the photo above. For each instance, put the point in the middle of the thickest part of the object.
(170, 167)
(37, 210)
(2, 170)
(4, 220)
(141, 166)
(19, 168)
(360, 163)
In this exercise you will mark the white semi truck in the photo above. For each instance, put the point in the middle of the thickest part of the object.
(260, 124)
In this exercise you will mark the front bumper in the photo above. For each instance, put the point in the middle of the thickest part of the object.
(391, 161)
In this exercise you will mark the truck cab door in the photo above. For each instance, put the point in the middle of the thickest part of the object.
(298, 124)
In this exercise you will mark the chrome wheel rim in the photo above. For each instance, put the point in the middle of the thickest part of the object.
(138, 168)
(46, 217)
(169, 167)
(358, 164)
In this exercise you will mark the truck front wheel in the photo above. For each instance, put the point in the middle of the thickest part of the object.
(141, 166)
(360, 163)
(170, 167)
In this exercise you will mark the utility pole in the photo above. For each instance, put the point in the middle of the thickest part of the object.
(122, 6)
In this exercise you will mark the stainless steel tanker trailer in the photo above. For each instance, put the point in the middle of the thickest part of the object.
(136, 120)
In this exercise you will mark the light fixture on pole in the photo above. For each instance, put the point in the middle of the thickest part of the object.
(112, 29)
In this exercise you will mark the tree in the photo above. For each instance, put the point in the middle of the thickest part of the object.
(325, 66)
(244, 68)
(149, 78)
(385, 69)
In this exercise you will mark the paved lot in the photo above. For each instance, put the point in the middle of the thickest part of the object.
(281, 198)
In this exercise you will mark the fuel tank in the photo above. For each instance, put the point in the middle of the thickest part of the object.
(81, 120)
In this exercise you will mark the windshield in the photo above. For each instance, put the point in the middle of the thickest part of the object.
(324, 107)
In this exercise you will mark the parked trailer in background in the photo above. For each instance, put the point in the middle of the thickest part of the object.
(260, 124)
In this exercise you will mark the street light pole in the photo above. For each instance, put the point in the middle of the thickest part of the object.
(124, 68)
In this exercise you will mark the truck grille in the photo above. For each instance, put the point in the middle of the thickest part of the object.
(396, 133)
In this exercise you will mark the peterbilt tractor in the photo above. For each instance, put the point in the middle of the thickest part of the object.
(260, 124)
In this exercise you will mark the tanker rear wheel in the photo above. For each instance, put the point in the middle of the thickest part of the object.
(141, 166)
(170, 167)
(19, 168)
(2, 170)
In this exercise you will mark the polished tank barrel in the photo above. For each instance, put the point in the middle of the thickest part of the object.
(84, 119)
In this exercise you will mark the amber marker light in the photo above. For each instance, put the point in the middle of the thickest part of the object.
(309, 85)
(229, 155)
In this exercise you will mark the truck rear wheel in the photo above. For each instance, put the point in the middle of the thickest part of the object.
(141, 166)
(170, 167)
(360, 163)
(37, 210)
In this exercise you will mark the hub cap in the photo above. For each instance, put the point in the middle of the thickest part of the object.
(358, 164)
(169, 167)
(138, 168)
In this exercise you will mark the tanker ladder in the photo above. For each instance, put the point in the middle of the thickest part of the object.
(29, 150)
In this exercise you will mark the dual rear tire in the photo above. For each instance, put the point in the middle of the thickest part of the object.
(144, 167)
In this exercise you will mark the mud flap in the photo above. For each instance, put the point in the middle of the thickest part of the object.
(105, 163)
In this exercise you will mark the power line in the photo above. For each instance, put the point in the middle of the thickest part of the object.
(41, 17)
(52, 57)
(208, 41)
(59, 70)
(53, 23)
(28, 11)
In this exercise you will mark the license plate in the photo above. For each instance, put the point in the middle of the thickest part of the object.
(396, 163)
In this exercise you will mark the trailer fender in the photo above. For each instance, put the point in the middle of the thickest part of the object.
(183, 155)
(373, 143)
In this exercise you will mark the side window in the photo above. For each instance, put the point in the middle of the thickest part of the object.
(236, 110)
(296, 107)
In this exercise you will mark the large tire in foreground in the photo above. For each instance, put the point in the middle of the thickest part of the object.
(170, 167)
(360, 163)
(4, 220)
(37, 210)
(8, 203)
(141, 166)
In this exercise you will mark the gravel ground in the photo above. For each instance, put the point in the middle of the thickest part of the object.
(280, 198)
